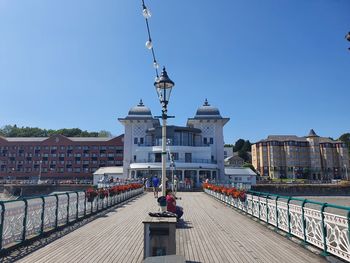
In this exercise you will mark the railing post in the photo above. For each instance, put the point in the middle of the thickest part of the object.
(324, 231)
(2, 222)
(25, 219)
(303, 221)
(267, 209)
(85, 204)
(77, 207)
(276, 203)
(288, 218)
(42, 215)
(68, 200)
(348, 216)
(259, 205)
(56, 212)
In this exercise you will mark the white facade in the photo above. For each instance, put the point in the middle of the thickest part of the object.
(228, 151)
(240, 177)
(197, 148)
(105, 174)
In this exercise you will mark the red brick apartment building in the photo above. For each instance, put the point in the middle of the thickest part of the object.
(58, 157)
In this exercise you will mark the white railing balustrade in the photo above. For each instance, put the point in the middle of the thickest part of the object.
(328, 231)
(21, 220)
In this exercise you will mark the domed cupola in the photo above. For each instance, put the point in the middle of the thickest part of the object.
(139, 111)
(207, 112)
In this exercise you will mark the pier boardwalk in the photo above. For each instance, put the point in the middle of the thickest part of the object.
(211, 232)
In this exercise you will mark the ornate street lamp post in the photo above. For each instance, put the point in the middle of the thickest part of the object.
(163, 87)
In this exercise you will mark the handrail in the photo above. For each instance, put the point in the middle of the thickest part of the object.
(37, 215)
(328, 231)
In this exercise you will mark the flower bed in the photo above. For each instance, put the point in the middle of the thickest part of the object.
(227, 191)
(92, 193)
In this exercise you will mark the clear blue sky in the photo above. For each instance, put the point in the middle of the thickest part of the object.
(272, 66)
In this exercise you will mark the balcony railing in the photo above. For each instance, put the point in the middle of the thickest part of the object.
(177, 161)
(159, 144)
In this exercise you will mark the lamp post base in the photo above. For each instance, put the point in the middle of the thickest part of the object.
(162, 203)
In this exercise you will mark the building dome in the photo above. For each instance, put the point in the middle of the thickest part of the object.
(140, 111)
(207, 111)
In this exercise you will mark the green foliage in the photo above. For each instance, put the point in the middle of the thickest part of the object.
(14, 131)
(104, 133)
(238, 145)
(244, 155)
(247, 146)
(346, 139)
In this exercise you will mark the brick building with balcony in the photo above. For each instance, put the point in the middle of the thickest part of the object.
(58, 157)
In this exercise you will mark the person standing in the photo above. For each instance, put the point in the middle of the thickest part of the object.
(175, 184)
(155, 182)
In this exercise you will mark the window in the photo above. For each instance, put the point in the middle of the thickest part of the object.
(205, 140)
(188, 157)
(134, 158)
(211, 140)
(176, 156)
(135, 140)
(141, 140)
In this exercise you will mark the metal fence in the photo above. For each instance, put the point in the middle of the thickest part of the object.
(313, 225)
(22, 220)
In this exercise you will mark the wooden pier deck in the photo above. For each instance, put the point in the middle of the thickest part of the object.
(211, 233)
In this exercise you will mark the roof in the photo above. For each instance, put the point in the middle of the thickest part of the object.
(206, 111)
(312, 133)
(109, 170)
(239, 171)
(140, 110)
(234, 156)
(74, 139)
(285, 138)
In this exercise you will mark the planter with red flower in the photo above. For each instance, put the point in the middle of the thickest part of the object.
(102, 193)
(91, 194)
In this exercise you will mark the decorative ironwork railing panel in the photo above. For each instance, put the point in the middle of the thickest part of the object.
(13, 223)
(50, 212)
(327, 231)
(282, 211)
(337, 235)
(296, 220)
(263, 209)
(34, 217)
(313, 227)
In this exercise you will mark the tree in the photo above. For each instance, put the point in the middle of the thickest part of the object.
(247, 146)
(244, 155)
(346, 139)
(14, 131)
(104, 133)
(238, 145)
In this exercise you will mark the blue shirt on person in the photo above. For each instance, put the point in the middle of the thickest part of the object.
(155, 181)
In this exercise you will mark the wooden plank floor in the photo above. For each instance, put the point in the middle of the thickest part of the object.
(211, 232)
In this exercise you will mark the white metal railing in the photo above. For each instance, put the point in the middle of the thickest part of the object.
(23, 219)
(327, 231)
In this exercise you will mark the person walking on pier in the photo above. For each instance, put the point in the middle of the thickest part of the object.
(155, 182)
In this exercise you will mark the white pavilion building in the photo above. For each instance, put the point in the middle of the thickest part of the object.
(197, 148)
